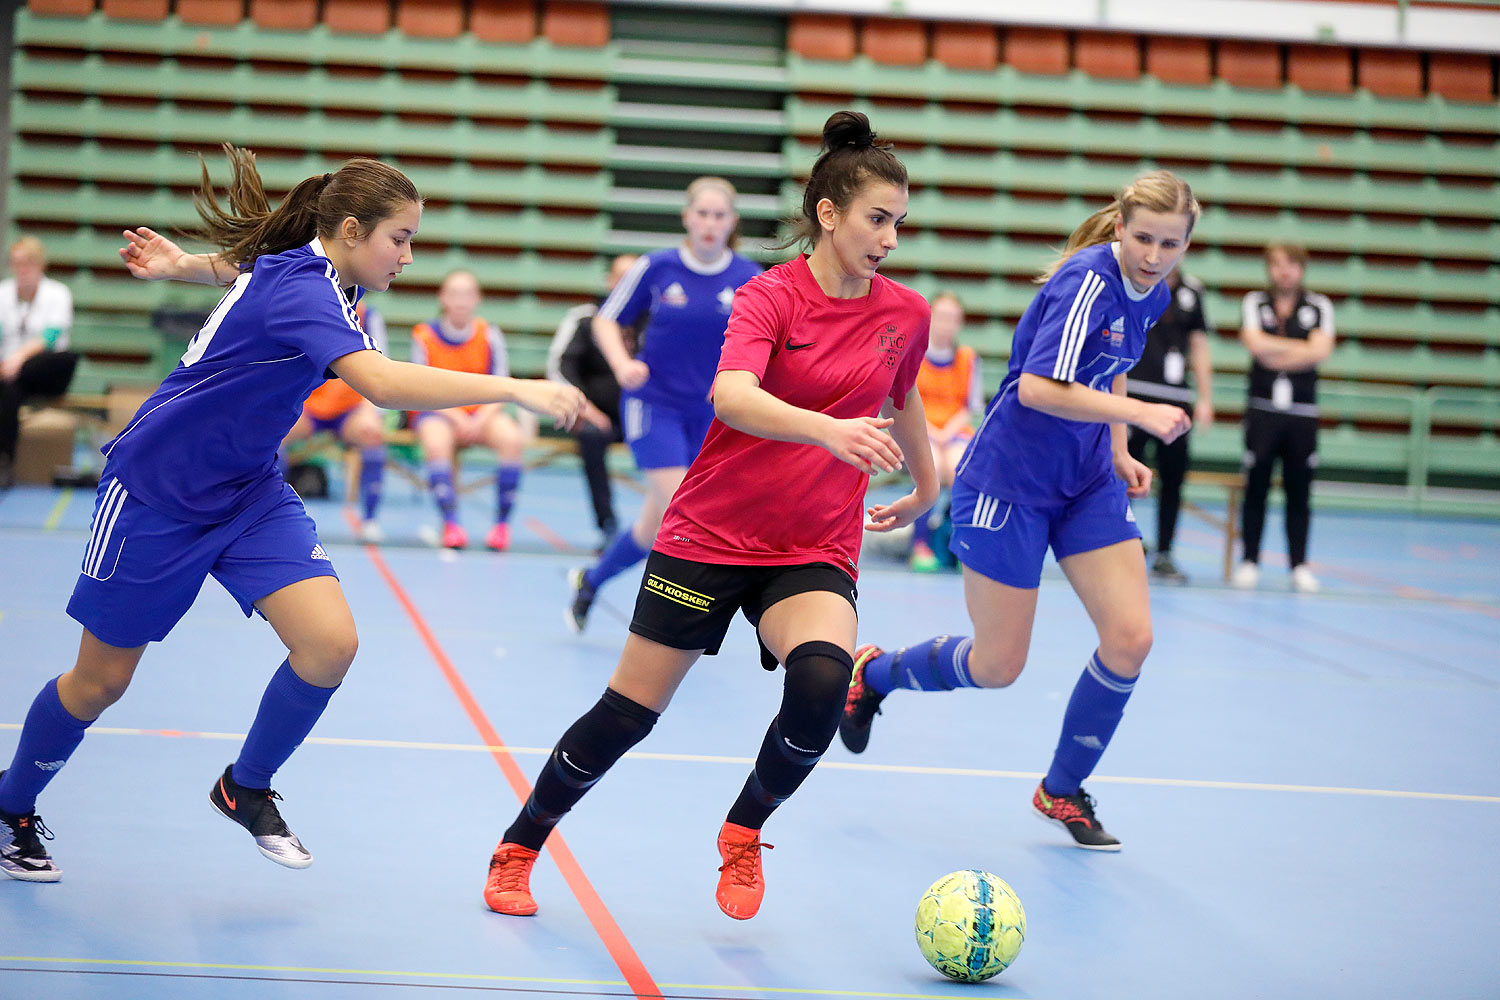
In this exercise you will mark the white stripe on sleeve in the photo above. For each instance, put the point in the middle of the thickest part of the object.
(624, 290)
(1076, 329)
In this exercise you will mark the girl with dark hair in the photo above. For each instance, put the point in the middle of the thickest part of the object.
(1049, 467)
(815, 349)
(190, 488)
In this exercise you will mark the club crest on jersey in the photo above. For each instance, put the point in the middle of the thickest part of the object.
(890, 342)
(1116, 332)
(674, 295)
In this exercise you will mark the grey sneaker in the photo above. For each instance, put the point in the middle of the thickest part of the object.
(255, 810)
(1163, 568)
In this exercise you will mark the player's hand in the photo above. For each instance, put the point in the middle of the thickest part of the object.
(562, 403)
(595, 416)
(1203, 415)
(10, 368)
(149, 255)
(864, 444)
(633, 374)
(889, 517)
(1164, 421)
(1137, 476)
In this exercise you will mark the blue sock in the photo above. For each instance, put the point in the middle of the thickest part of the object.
(440, 480)
(288, 711)
(48, 739)
(939, 664)
(921, 529)
(622, 554)
(507, 479)
(371, 479)
(1093, 712)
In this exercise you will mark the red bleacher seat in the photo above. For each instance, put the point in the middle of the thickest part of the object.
(356, 17)
(1325, 68)
(284, 15)
(1391, 72)
(1037, 50)
(576, 22)
(61, 8)
(211, 12)
(959, 45)
(135, 10)
(1107, 55)
(503, 20)
(430, 18)
(1250, 64)
(1461, 76)
(894, 41)
(829, 37)
(1174, 59)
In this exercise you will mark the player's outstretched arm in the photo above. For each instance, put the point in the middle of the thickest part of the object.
(152, 257)
(400, 385)
(741, 403)
(1075, 401)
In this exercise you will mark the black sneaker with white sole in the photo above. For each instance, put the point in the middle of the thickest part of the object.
(255, 810)
(22, 855)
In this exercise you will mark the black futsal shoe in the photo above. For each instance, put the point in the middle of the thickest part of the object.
(255, 810)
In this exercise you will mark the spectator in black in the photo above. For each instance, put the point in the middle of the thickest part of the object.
(575, 358)
(36, 314)
(1289, 333)
(1176, 344)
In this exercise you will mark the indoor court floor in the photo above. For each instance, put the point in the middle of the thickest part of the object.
(1306, 787)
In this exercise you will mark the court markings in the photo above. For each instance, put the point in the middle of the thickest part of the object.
(431, 980)
(499, 749)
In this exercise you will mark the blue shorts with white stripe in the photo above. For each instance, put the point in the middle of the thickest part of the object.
(1008, 542)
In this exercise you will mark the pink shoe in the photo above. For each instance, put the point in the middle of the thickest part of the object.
(454, 536)
(508, 888)
(742, 885)
(499, 537)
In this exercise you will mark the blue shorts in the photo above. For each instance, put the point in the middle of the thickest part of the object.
(662, 436)
(142, 570)
(1008, 541)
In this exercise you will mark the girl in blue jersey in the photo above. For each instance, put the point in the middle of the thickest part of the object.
(190, 488)
(664, 405)
(1050, 467)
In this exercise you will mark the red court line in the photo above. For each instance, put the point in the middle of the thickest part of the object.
(636, 976)
(547, 535)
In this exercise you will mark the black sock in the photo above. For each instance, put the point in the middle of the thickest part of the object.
(812, 700)
(588, 749)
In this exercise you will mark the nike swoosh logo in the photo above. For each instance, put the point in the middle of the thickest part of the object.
(797, 347)
(222, 791)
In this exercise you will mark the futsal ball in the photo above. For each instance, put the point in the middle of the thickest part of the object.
(970, 925)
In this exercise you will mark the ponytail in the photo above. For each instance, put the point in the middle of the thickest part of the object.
(366, 190)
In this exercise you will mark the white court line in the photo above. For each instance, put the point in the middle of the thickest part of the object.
(838, 765)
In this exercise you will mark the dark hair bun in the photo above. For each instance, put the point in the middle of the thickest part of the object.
(847, 128)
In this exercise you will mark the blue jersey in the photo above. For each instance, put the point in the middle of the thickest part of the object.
(689, 303)
(1086, 325)
(202, 448)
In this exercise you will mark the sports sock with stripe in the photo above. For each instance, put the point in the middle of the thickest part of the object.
(507, 481)
(440, 481)
(48, 739)
(1094, 711)
(288, 711)
(939, 664)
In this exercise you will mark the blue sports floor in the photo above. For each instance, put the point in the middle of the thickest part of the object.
(1308, 788)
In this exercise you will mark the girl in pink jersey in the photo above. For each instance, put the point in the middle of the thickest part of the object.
(815, 392)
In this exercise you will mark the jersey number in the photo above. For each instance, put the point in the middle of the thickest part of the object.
(198, 346)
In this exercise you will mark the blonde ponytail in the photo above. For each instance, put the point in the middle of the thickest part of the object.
(1158, 191)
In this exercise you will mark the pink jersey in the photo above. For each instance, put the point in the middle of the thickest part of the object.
(750, 501)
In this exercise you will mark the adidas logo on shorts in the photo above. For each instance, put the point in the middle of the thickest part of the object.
(318, 553)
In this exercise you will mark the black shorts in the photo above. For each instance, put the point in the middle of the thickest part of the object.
(689, 605)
